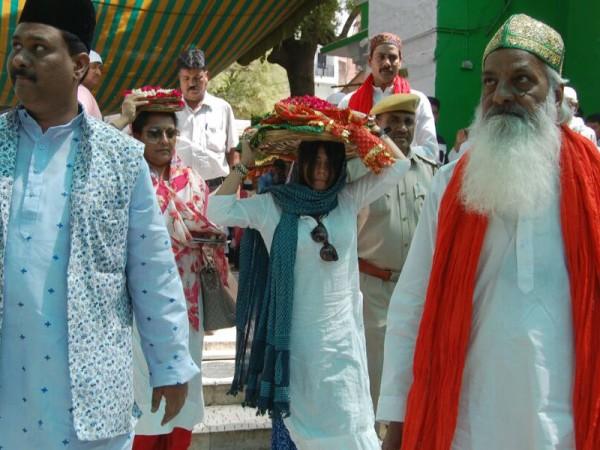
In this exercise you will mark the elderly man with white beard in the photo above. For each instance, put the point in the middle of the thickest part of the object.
(493, 327)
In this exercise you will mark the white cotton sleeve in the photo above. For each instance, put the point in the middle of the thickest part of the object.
(253, 212)
(232, 137)
(345, 101)
(156, 292)
(425, 131)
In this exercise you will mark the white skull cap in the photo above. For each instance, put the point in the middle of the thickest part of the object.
(570, 94)
(95, 57)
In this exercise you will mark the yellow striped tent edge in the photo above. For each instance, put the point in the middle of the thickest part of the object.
(140, 40)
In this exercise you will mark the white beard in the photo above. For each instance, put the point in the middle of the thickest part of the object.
(513, 165)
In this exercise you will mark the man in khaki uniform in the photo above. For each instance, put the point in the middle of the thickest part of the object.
(386, 226)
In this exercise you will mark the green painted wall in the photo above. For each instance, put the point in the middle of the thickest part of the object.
(466, 26)
(582, 65)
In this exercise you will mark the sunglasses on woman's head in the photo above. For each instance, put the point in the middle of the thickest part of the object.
(155, 134)
(320, 236)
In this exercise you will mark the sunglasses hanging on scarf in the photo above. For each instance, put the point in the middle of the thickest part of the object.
(320, 236)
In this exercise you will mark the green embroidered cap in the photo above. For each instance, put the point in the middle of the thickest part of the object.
(525, 33)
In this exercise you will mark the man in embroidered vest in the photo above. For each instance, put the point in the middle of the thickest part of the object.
(83, 248)
(385, 60)
(386, 226)
(494, 328)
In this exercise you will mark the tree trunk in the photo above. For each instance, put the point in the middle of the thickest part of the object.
(298, 59)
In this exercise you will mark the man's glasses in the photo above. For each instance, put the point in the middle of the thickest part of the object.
(320, 236)
(155, 134)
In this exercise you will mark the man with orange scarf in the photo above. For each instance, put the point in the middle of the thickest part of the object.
(493, 328)
(385, 60)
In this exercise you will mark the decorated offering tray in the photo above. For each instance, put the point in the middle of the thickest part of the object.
(297, 119)
(159, 99)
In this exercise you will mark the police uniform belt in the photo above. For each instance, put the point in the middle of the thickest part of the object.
(372, 270)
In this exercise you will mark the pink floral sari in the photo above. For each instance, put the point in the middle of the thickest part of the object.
(183, 200)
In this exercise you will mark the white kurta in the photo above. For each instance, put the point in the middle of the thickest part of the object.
(329, 387)
(517, 382)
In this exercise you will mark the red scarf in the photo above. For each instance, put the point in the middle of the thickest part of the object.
(362, 100)
(443, 339)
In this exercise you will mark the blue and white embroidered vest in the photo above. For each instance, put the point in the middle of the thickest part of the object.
(99, 310)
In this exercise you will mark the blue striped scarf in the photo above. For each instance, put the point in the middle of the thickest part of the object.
(265, 299)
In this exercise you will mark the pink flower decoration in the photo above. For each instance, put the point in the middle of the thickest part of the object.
(309, 101)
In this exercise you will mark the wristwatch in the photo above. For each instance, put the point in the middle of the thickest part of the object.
(241, 169)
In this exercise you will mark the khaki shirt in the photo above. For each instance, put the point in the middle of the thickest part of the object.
(386, 226)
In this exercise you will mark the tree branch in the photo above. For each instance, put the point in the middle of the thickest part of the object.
(280, 54)
(280, 33)
(349, 22)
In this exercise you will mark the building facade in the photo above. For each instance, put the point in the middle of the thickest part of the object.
(443, 41)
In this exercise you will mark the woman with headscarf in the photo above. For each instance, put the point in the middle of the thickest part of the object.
(182, 197)
(301, 349)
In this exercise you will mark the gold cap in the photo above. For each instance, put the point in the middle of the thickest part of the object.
(526, 33)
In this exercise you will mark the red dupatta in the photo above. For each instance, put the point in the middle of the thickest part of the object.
(362, 100)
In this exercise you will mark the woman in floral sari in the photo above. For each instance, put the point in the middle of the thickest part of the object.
(182, 197)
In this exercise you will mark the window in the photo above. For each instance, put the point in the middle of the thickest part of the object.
(325, 66)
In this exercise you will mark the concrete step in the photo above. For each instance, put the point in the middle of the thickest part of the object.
(218, 369)
(216, 380)
(215, 393)
(219, 345)
(231, 427)
(226, 425)
(218, 356)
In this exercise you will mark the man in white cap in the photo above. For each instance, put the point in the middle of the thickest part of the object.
(88, 84)
(576, 123)
(386, 226)
(94, 74)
